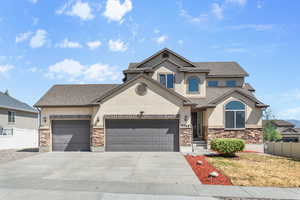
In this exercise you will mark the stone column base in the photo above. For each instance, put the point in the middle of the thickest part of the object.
(185, 137)
(97, 139)
(44, 140)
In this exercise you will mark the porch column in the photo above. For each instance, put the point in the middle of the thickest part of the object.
(185, 139)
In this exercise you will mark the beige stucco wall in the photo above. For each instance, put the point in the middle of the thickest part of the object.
(155, 102)
(48, 111)
(23, 120)
(253, 114)
(181, 83)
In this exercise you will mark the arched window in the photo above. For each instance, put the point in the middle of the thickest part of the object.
(234, 115)
(193, 84)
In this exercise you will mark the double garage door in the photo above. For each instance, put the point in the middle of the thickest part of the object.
(120, 135)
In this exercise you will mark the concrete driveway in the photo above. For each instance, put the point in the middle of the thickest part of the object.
(134, 172)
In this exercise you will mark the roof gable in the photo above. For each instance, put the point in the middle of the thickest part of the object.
(141, 76)
(241, 92)
(158, 56)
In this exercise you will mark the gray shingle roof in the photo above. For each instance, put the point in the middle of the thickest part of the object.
(74, 95)
(247, 86)
(279, 123)
(216, 69)
(9, 102)
(215, 93)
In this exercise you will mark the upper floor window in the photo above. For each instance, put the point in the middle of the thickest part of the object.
(11, 116)
(213, 83)
(193, 84)
(234, 115)
(231, 83)
(167, 80)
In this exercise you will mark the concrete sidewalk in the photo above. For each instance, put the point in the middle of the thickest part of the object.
(67, 189)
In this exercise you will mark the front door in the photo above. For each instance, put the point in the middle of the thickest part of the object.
(197, 124)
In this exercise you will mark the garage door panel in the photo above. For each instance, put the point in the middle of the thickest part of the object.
(142, 135)
(71, 135)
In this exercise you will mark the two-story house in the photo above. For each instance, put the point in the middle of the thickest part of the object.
(166, 103)
(18, 123)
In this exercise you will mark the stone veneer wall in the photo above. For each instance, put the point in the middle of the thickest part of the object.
(250, 135)
(44, 140)
(97, 139)
(185, 136)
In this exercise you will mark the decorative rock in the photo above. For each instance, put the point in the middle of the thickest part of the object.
(199, 162)
(213, 174)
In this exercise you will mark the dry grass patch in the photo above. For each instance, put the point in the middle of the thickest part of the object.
(251, 169)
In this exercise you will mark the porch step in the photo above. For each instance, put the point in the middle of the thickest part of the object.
(200, 143)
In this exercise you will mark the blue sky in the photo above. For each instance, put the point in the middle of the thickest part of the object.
(91, 41)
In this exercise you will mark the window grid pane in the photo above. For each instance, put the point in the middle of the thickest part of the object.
(235, 105)
(162, 79)
(193, 85)
(170, 81)
(229, 119)
(240, 119)
(230, 83)
(213, 83)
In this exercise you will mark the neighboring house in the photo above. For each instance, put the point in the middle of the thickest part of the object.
(287, 130)
(166, 103)
(18, 123)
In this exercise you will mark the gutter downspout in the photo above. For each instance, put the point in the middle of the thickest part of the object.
(39, 126)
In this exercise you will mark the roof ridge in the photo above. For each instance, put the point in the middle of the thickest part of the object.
(86, 84)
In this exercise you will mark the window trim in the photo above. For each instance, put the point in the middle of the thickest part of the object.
(166, 80)
(188, 85)
(234, 111)
(13, 115)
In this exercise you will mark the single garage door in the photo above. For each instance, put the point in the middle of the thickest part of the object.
(142, 135)
(71, 135)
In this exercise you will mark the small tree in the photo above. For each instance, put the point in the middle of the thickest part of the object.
(270, 132)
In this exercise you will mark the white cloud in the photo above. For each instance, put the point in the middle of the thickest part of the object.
(115, 10)
(5, 68)
(180, 42)
(33, 1)
(161, 39)
(101, 72)
(117, 45)
(93, 44)
(238, 2)
(74, 71)
(256, 27)
(190, 18)
(217, 10)
(68, 44)
(39, 39)
(292, 113)
(23, 36)
(79, 9)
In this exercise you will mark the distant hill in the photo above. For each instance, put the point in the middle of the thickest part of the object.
(294, 121)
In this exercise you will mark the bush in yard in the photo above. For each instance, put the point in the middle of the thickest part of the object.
(270, 132)
(227, 146)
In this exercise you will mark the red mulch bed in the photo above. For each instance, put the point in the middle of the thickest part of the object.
(202, 171)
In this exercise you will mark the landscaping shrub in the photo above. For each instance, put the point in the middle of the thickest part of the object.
(227, 146)
(270, 132)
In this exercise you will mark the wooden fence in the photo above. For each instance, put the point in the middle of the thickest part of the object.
(287, 149)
